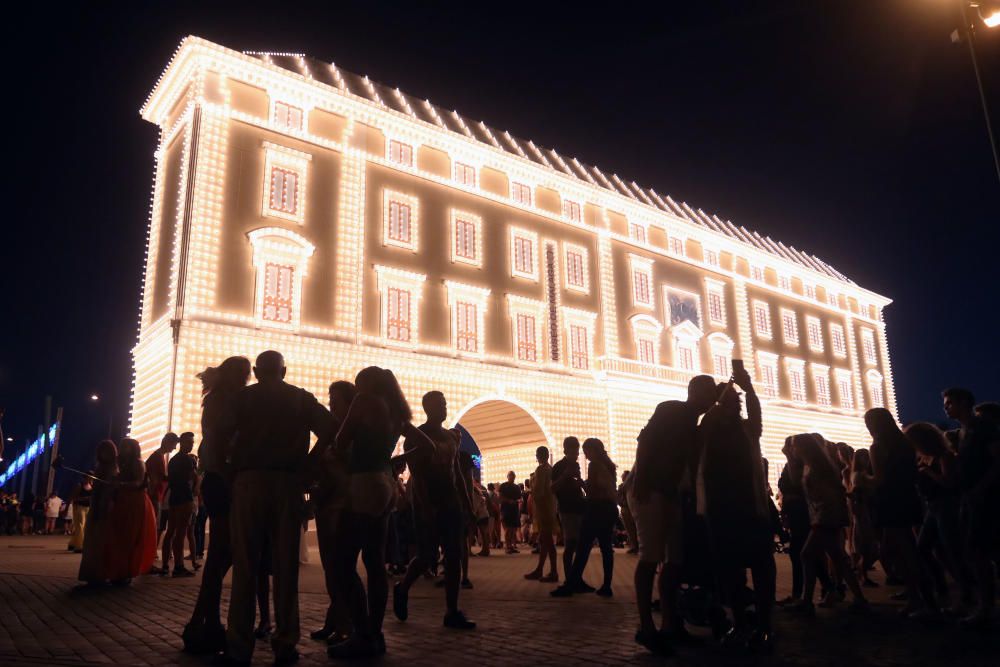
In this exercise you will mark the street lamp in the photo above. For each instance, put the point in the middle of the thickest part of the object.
(967, 30)
(94, 398)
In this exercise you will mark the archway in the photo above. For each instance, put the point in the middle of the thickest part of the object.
(506, 435)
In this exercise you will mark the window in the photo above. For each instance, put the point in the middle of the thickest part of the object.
(466, 326)
(716, 301)
(284, 183)
(789, 327)
(278, 293)
(721, 347)
(400, 293)
(520, 193)
(576, 268)
(767, 365)
(288, 116)
(637, 232)
(875, 394)
(814, 331)
(579, 337)
(796, 380)
(810, 291)
(838, 340)
(868, 346)
(280, 258)
(711, 256)
(284, 191)
(821, 381)
(785, 283)
(400, 153)
(578, 347)
(845, 389)
(399, 220)
(642, 281)
(465, 174)
(646, 333)
(468, 306)
(526, 316)
(831, 298)
(677, 245)
(398, 324)
(645, 349)
(466, 234)
(685, 356)
(527, 343)
(762, 319)
(757, 273)
(523, 251)
(571, 210)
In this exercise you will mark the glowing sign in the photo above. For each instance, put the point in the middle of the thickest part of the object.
(34, 450)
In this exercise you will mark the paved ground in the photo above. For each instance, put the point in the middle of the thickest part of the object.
(44, 621)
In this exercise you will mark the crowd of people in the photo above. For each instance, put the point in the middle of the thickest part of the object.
(696, 508)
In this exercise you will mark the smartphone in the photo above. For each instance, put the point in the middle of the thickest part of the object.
(738, 366)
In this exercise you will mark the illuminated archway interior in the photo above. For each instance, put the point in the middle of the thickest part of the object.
(507, 436)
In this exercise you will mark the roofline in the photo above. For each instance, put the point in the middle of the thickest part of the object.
(155, 107)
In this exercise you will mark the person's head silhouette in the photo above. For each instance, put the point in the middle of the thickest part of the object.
(269, 367)
(702, 392)
(435, 407)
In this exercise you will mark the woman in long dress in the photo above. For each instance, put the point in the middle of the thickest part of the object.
(545, 517)
(95, 537)
(131, 546)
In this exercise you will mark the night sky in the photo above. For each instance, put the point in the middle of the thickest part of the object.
(850, 129)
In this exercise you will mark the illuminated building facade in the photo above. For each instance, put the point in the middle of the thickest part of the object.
(300, 207)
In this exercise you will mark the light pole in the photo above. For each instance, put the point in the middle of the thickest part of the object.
(95, 398)
(967, 30)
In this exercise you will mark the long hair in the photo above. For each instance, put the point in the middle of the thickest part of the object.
(812, 455)
(128, 450)
(881, 424)
(596, 448)
(927, 439)
(382, 383)
(230, 375)
(862, 462)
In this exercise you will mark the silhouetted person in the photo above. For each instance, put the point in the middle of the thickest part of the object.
(330, 495)
(627, 519)
(664, 458)
(205, 633)
(132, 520)
(440, 509)
(979, 484)
(271, 422)
(733, 498)
(567, 485)
(180, 482)
(544, 518)
(600, 513)
(826, 498)
(95, 541)
(156, 484)
(510, 512)
(377, 418)
(897, 507)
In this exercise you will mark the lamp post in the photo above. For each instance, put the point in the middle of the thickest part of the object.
(967, 30)
(95, 398)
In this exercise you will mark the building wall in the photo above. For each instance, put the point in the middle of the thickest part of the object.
(211, 230)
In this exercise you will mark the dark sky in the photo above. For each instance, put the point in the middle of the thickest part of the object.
(849, 128)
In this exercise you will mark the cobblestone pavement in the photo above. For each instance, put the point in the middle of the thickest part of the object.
(44, 621)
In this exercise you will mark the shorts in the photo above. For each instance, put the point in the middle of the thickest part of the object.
(571, 522)
(371, 493)
(447, 532)
(510, 516)
(659, 526)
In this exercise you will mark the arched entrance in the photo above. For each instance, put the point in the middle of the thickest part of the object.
(506, 434)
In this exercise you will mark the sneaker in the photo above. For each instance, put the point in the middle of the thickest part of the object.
(583, 587)
(182, 572)
(604, 591)
(533, 575)
(654, 642)
(552, 578)
(761, 642)
(563, 591)
(400, 599)
(467, 585)
(457, 621)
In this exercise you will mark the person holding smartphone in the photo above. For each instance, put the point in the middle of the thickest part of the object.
(732, 495)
